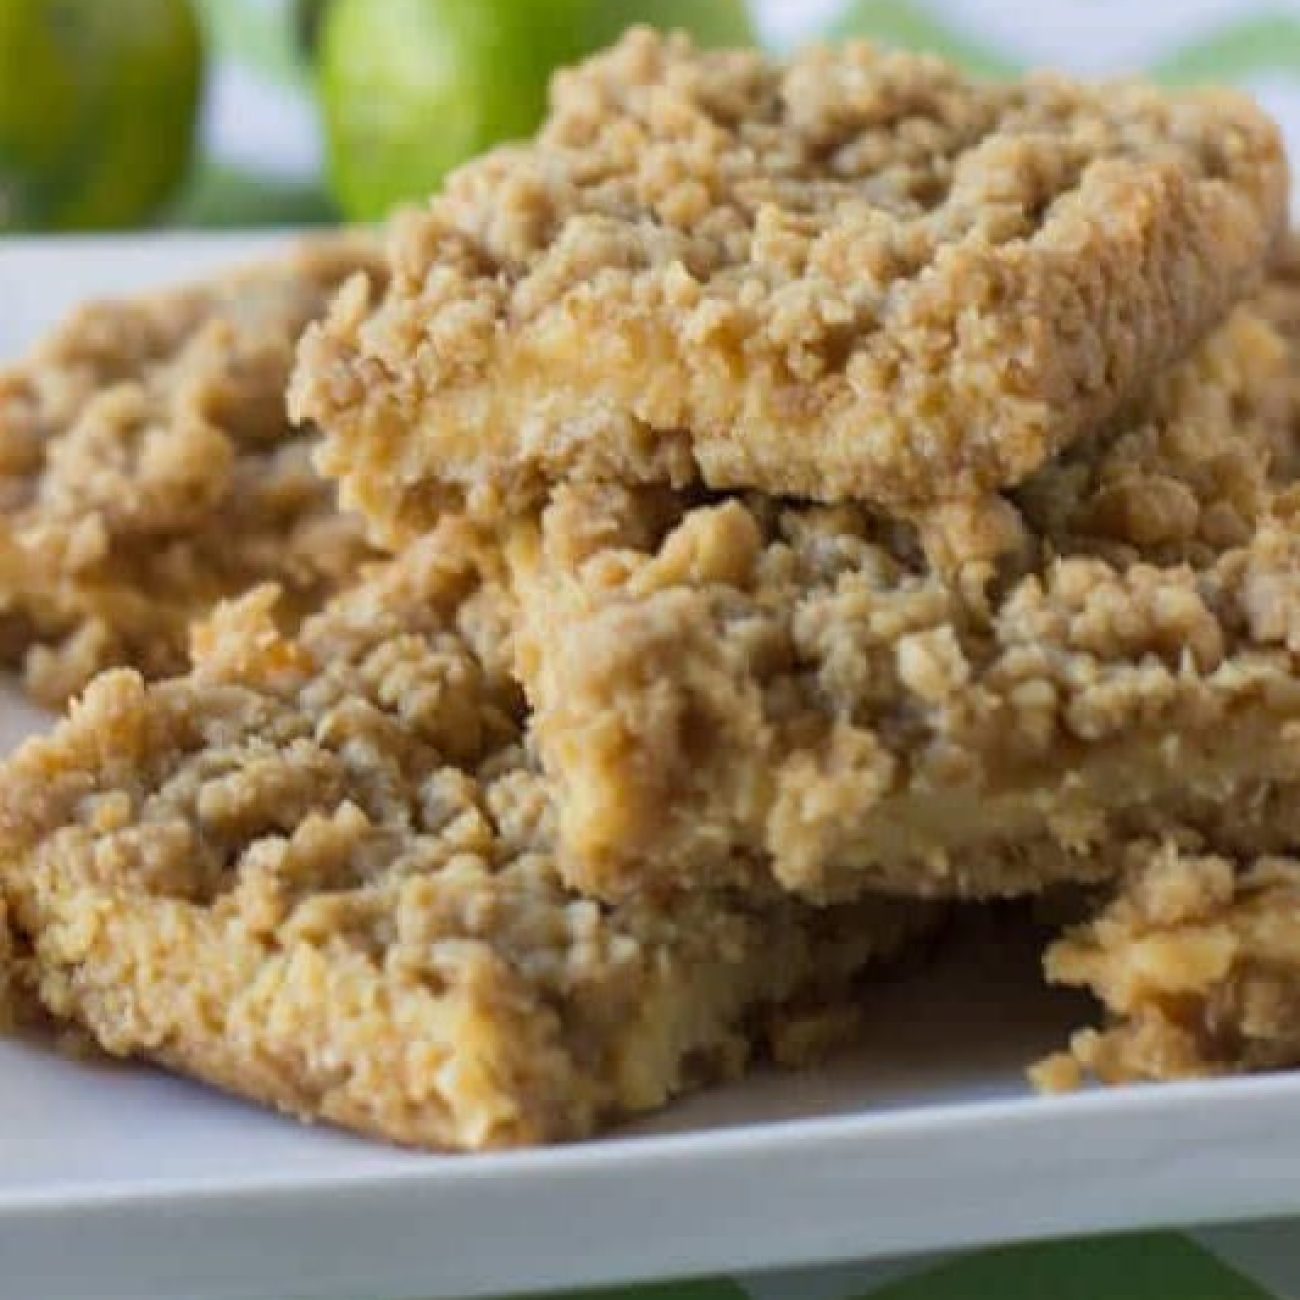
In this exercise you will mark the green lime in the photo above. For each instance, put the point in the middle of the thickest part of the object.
(98, 108)
(413, 88)
(308, 19)
(713, 23)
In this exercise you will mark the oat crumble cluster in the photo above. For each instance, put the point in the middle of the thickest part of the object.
(1196, 959)
(148, 469)
(320, 871)
(816, 493)
(856, 275)
(841, 704)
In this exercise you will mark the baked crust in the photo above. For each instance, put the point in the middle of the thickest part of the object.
(983, 702)
(318, 871)
(856, 275)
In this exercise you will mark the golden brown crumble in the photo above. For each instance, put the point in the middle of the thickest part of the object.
(1195, 958)
(318, 871)
(148, 469)
(854, 275)
(8, 968)
(746, 688)
(1279, 303)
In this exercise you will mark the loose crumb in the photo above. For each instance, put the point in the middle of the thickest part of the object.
(1195, 958)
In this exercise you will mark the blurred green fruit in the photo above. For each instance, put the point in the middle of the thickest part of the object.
(714, 23)
(411, 89)
(99, 104)
(308, 19)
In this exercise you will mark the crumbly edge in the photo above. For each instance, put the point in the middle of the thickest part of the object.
(985, 701)
(8, 976)
(148, 469)
(1029, 771)
(1193, 957)
(317, 872)
(709, 268)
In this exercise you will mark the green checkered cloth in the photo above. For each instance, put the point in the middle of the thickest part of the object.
(1253, 43)
(1253, 1263)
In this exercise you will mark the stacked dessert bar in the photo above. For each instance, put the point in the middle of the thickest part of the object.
(817, 492)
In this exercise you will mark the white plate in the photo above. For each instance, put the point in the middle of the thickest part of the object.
(122, 1183)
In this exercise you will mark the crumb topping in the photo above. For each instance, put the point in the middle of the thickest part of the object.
(319, 870)
(857, 274)
(955, 705)
(148, 469)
